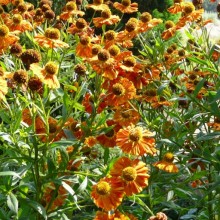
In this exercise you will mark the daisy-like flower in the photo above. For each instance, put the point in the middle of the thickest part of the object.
(108, 193)
(120, 91)
(48, 74)
(146, 22)
(167, 164)
(133, 174)
(126, 6)
(104, 64)
(55, 131)
(17, 23)
(100, 215)
(70, 10)
(106, 19)
(109, 139)
(136, 141)
(84, 47)
(126, 115)
(170, 30)
(80, 27)
(131, 30)
(50, 39)
(97, 5)
(6, 38)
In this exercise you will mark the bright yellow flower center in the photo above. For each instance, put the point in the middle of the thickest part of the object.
(52, 33)
(129, 174)
(135, 134)
(126, 3)
(103, 188)
(3, 30)
(51, 68)
(118, 89)
(168, 157)
(17, 18)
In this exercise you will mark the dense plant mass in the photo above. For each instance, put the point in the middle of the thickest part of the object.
(108, 111)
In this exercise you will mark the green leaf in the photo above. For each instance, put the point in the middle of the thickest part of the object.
(6, 137)
(209, 136)
(199, 86)
(197, 60)
(9, 173)
(106, 155)
(83, 185)
(38, 207)
(12, 203)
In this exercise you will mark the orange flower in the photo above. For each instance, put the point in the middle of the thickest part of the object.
(90, 141)
(48, 74)
(120, 91)
(55, 132)
(70, 10)
(109, 138)
(136, 141)
(108, 193)
(53, 196)
(160, 102)
(126, 6)
(126, 115)
(106, 18)
(103, 64)
(50, 39)
(97, 5)
(167, 164)
(84, 47)
(100, 215)
(80, 27)
(133, 173)
(146, 22)
(18, 24)
(131, 30)
(6, 38)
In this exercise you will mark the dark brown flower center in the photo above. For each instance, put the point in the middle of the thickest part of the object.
(3, 30)
(135, 134)
(126, 3)
(103, 55)
(118, 89)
